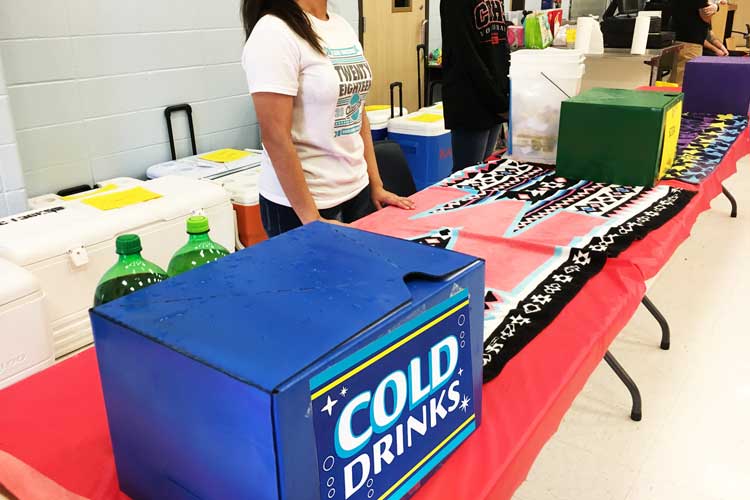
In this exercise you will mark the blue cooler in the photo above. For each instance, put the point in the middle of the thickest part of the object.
(379, 117)
(426, 144)
(325, 364)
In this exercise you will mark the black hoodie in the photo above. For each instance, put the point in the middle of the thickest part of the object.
(476, 62)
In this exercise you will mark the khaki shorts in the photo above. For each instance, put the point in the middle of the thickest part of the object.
(688, 52)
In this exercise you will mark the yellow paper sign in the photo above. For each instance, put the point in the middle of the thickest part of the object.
(121, 199)
(672, 124)
(103, 189)
(427, 118)
(226, 155)
(377, 107)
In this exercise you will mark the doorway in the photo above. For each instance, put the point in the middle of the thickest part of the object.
(391, 31)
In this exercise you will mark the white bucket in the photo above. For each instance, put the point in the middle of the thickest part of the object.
(536, 96)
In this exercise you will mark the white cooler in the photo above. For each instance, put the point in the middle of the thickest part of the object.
(67, 245)
(198, 168)
(25, 335)
(380, 116)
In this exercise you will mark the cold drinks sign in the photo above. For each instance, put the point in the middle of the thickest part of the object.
(389, 414)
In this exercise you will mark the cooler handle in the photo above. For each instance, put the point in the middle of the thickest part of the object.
(187, 108)
(400, 86)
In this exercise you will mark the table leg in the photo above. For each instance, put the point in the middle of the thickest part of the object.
(731, 199)
(636, 413)
(659, 317)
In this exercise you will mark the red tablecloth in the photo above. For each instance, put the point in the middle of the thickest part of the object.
(55, 421)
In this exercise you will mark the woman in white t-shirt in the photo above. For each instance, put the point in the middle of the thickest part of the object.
(309, 80)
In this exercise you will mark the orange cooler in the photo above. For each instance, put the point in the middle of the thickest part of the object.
(243, 189)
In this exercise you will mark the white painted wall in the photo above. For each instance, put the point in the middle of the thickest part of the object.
(12, 193)
(88, 81)
(436, 36)
(348, 9)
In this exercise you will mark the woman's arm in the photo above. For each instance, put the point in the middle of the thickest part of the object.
(380, 197)
(274, 113)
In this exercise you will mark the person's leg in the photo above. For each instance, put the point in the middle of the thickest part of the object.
(277, 219)
(468, 147)
(492, 137)
(359, 206)
(688, 52)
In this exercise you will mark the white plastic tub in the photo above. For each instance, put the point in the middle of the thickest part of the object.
(537, 93)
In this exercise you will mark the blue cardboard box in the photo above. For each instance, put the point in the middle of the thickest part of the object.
(327, 363)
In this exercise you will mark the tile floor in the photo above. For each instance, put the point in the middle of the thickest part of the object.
(694, 440)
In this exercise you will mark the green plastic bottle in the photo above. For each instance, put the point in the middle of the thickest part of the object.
(131, 273)
(199, 250)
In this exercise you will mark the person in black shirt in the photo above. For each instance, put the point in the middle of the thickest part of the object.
(476, 60)
(692, 22)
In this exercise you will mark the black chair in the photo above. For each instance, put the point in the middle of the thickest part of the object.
(394, 169)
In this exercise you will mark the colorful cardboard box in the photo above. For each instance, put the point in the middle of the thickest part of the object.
(327, 363)
(626, 137)
(717, 85)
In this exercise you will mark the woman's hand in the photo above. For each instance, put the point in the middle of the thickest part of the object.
(333, 222)
(710, 10)
(382, 198)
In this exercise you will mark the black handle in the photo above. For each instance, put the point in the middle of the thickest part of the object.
(420, 62)
(187, 108)
(433, 84)
(400, 99)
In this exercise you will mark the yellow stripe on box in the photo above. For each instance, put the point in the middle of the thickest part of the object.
(121, 199)
(426, 458)
(103, 189)
(426, 118)
(386, 352)
(226, 155)
(377, 107)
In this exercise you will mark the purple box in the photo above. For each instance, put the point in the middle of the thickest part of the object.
(717, 85)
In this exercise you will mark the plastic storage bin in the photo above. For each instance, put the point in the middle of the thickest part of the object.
(340, 356)
(198, 168)
(379, 117)
(243, 189)
(426, 144)
(718, 85)
(25, 336)
(67, 244)
(540, 81)
(619, 136)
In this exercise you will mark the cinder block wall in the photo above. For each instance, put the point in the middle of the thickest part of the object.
(88, 81)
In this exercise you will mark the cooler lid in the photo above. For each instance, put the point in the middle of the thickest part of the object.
(628, 98)
(426, 123)
(53, 230)
(267, 313)
(242, 186)
(380, 115)
(17, 282)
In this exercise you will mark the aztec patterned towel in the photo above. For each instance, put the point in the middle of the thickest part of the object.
(542, 237)
(704, 141)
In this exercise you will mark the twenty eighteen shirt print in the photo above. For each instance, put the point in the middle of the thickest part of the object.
(355, 80)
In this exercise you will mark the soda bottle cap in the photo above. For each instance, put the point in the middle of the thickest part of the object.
(198, 224)
(128, 244)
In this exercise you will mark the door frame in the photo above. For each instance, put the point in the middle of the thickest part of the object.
(425, 65)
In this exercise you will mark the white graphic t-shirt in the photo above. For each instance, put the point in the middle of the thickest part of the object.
(329, 99)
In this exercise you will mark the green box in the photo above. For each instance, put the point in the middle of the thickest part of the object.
(619, 136)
